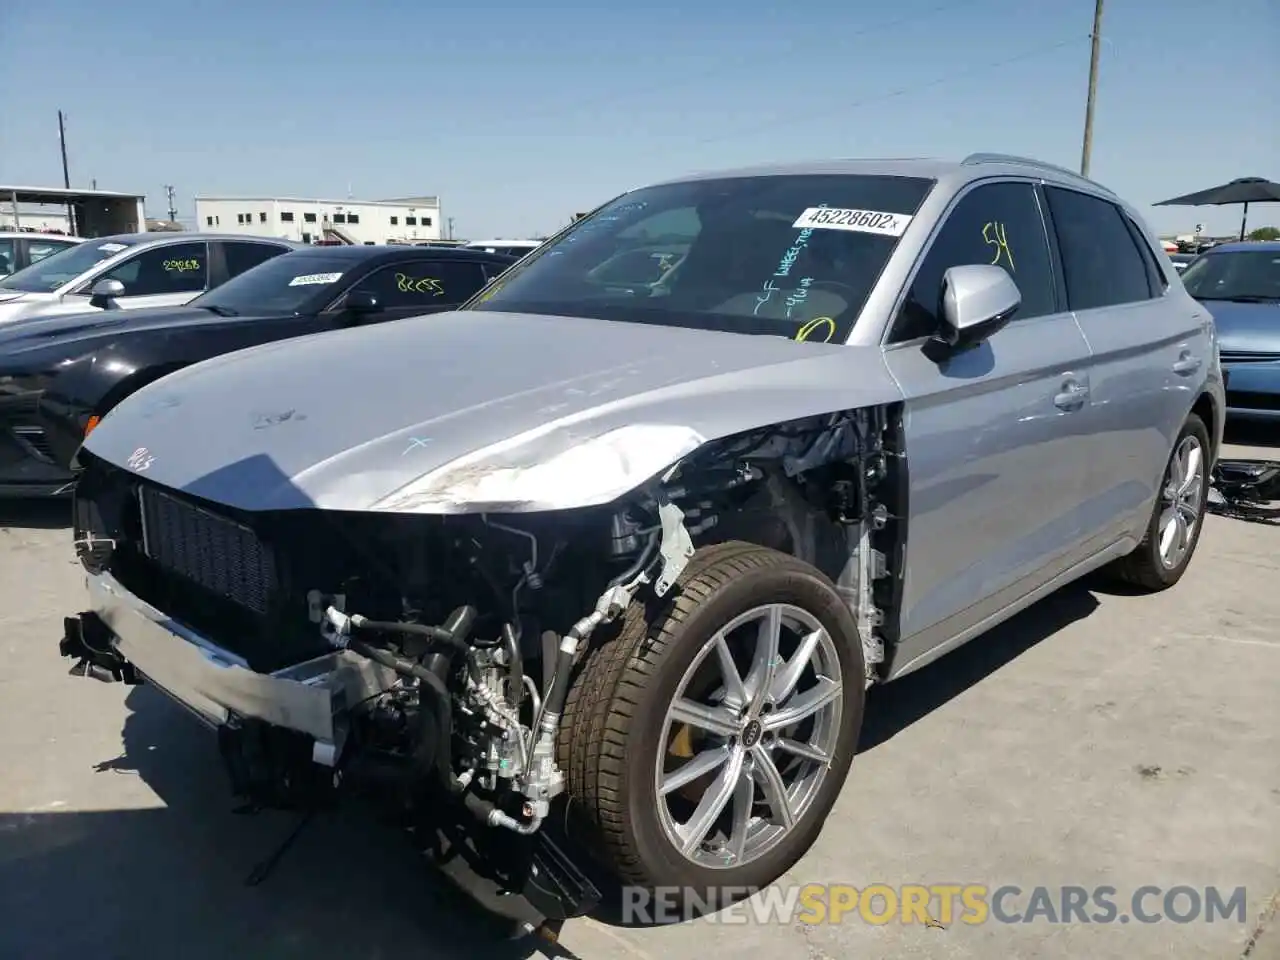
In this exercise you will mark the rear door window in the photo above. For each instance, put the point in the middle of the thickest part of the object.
(245, 256)
(1101, 262)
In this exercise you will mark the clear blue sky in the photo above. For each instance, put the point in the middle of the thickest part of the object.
(519, 114)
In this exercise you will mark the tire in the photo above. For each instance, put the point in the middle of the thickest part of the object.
(1147, 567)
(615, 726)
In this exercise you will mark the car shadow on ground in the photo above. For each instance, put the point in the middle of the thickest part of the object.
(53, 514)
(173, 878)
(1254, 434)
(895, 706)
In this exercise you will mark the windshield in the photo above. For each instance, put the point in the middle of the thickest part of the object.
(286, 284)
(791, 256)
(1248, 275)
(47, 275)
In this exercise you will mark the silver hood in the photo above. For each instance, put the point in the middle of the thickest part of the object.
(469, 411)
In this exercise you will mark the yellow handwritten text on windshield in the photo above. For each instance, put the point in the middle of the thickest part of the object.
(818, 330)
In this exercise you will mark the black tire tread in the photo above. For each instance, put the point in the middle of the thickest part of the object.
(1141, 568)
(604, 699)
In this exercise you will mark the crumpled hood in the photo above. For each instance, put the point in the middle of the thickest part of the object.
(347, 419)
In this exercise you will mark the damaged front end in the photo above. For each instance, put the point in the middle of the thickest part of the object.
(425, 659)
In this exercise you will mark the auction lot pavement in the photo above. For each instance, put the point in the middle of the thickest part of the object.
(1098, 739)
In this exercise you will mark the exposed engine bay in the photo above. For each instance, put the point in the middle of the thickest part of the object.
(481, 620)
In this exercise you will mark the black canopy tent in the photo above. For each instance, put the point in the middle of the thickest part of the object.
(1245, 190)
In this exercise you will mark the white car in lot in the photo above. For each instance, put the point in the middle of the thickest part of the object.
(20, 249)
(132, 271)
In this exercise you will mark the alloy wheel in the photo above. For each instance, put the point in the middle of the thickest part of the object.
(756, 719)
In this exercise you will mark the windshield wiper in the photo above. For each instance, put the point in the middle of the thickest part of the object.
(1244, 298)
(220, 311)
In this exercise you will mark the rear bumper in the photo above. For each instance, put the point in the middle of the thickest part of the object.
(311, 698)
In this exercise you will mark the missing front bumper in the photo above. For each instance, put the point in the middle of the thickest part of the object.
(296, 718)
(123, 637)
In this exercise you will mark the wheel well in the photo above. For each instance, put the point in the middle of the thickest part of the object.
(1205, 409)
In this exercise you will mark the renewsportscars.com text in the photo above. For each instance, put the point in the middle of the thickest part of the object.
(935, 904)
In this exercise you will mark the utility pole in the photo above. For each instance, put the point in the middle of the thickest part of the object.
(1096, 36)
(173, 211)
(66, 174)
(449, 222)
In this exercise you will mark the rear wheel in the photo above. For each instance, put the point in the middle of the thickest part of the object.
(707, 740)
(1174, 529)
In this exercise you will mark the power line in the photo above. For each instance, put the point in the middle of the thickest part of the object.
(781, 119)
(688, 78)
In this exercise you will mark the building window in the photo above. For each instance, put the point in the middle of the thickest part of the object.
(286, 217)
(248, 218)
(262, 218)
(306, 238)
(353, 218)
(339, 218)
(426, 221)
(239, 218)
(208, 221)
(410, 221)
(306, 217)
(217, 220)
(395, 221)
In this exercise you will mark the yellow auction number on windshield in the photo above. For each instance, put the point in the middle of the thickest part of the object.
(182, 266)
(408, 284)
(817, 330)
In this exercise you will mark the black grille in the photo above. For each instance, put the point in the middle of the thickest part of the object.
(34, 438)
(220, 555)
(1243, 400)
(1247, 356)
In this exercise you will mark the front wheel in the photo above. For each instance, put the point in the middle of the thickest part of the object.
(708, 739)
(1174, 529)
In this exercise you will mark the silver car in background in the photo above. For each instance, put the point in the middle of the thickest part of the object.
(131, 271)
(20, 248)
(622, 542)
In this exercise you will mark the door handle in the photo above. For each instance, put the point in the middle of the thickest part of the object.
(1072, 396)
(1187, 364)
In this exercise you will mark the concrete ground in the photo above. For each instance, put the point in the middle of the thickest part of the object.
(1099, 738)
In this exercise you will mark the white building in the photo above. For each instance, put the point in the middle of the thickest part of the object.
(41, 220)
(313, 221)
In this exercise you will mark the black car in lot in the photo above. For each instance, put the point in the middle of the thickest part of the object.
(60, 375)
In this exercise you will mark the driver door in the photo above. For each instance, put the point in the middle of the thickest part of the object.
(996, 462)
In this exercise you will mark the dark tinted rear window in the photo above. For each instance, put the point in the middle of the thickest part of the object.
(1102, 264)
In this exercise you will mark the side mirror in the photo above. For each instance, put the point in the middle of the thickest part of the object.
(977, 301)
(361, 302)
(104, 293)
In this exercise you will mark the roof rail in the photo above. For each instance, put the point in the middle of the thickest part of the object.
(976, 158)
